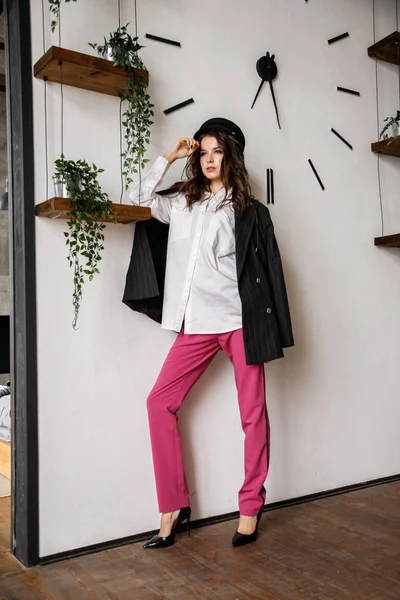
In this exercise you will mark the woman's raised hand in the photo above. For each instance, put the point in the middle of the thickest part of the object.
(183, 148)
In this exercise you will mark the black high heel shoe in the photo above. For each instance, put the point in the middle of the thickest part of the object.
(241, 539)
(163, 542)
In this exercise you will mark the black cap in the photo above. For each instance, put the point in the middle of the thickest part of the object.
(221, 124)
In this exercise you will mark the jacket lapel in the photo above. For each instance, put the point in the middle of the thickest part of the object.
(243, 228)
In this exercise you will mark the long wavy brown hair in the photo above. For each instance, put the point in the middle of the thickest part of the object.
(233, 175)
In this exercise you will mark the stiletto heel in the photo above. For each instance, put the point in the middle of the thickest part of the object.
(188, 524)
(163, 542)
(241, 539)
(181, 520)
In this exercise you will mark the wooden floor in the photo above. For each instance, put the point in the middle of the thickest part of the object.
(343, 547)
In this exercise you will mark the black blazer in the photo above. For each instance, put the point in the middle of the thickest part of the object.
(265, 310)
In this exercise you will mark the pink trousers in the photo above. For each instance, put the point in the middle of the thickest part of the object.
(188, 358)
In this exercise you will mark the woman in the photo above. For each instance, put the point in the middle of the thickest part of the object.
(223, 289)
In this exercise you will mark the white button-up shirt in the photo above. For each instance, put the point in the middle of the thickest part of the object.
(201, 286)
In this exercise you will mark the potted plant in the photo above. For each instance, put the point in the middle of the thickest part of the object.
(84, 237)
(394, 124)
(123, 48)
(55, 10)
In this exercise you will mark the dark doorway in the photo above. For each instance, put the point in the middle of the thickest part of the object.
(17, 83)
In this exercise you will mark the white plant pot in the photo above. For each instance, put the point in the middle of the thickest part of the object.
(108, 54)
(60, 190)
(395, 127)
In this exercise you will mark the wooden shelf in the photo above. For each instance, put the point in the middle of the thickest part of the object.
(126, 213)
(387, 49)
(84, 71)
(391, 146)
(389, 241)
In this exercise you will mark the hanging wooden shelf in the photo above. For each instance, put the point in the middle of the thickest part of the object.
(84, 71)
(388, 241)
(387, 49)
(126, 213)
(391, 146)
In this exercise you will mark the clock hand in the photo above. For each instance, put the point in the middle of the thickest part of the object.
(273, 98)
(272, 186)
(258, 91)
(267, 70)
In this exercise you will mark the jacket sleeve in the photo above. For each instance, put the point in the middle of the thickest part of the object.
(144, 285)
(144, 194)
(277, 280)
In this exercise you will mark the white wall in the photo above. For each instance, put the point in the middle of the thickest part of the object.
(334, 399)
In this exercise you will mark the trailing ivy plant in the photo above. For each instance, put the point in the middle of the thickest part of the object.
(137, 118)
(390, 121)
(84, 237)
(55, 10)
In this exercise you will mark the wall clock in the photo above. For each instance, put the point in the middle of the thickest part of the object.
(266, 68)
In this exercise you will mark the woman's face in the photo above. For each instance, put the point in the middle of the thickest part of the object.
(211, 156)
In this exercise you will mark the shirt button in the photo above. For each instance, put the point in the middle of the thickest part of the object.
(269, 310)
(258, 280)
(256, 249)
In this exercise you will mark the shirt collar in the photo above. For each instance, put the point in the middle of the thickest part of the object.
(214, 200)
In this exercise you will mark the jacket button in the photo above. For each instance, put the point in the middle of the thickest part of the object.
(256, 249)
(258, 280)
(269, 310)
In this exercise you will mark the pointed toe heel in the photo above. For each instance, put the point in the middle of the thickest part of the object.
(160, 542)
(164, 542)
(242, 539)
